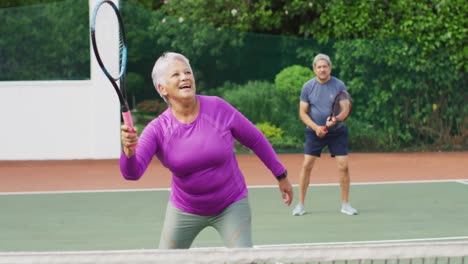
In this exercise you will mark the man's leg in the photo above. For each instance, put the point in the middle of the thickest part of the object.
(313, 149)
(345, 181)
(343, 172)
(304, 180)
(304, 176)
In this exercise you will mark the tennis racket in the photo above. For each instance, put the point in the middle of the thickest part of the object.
(104, 12)
(341, 107)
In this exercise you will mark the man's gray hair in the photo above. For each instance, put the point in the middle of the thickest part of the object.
(322, 56)
(160, 68)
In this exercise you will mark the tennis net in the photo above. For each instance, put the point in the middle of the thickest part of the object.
(455, 252)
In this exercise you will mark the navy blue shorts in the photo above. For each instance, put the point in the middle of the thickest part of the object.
(336, 140)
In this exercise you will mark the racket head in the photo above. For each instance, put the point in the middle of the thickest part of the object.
(105, 16)
(106, 13)
(342, 106)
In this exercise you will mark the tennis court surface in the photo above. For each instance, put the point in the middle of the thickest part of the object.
(76, 206)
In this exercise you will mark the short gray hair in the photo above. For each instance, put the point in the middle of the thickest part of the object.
(322, 56)
(160, 67)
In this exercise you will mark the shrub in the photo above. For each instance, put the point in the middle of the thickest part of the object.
(257, 100)
(281, 141)
(151, 107)
(290, 80)
(364, 136)
(272, 133)
(147, 110)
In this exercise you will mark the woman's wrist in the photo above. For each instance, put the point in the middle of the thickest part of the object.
(282, 176)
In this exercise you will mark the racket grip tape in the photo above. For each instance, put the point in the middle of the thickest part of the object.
(127, 118)
(325, 128)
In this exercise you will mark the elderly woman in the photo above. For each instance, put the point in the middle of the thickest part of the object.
(194, 138)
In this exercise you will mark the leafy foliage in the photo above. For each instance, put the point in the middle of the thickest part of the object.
(272, 133)
(273, 115)
(152, 107)
(147, 110)
(290, 80)
(399, 94)
(44, 41)
(387, 52)
(432, 25)
(257, 100)
(404, 62)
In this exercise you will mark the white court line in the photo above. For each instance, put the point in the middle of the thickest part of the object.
(396, 241)
(87, 191)
(463, 181)
(368, 242)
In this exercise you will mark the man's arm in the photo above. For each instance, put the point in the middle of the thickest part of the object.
(345, 106)
(304, 116)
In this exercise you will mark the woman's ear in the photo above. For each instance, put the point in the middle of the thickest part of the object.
(162, 89)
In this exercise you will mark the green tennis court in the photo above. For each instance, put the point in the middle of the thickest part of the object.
(119, 220)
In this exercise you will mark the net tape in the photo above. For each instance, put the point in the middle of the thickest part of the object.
(349, 253)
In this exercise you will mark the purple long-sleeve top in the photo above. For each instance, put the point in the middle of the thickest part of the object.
(206, 177)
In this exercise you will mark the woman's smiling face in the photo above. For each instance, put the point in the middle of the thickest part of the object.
(179, 81)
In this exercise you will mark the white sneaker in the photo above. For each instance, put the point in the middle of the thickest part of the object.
(298, 210)
(347, 209)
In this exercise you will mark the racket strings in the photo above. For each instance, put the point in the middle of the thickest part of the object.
(111, 53)
(122, 54)
(336, 108)
(342, 105)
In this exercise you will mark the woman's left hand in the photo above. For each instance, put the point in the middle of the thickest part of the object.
(286, 191)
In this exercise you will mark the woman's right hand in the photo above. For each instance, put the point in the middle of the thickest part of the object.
(129, 138)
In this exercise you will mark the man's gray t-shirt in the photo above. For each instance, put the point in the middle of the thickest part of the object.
(320, 98)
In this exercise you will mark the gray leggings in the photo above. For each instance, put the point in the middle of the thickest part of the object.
(234, 225)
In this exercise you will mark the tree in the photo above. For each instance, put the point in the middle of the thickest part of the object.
(44, 41)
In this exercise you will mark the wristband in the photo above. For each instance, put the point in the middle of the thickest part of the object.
(282, 176)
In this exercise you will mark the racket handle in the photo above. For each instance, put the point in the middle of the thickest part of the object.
(325, 128)
(127, 118)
